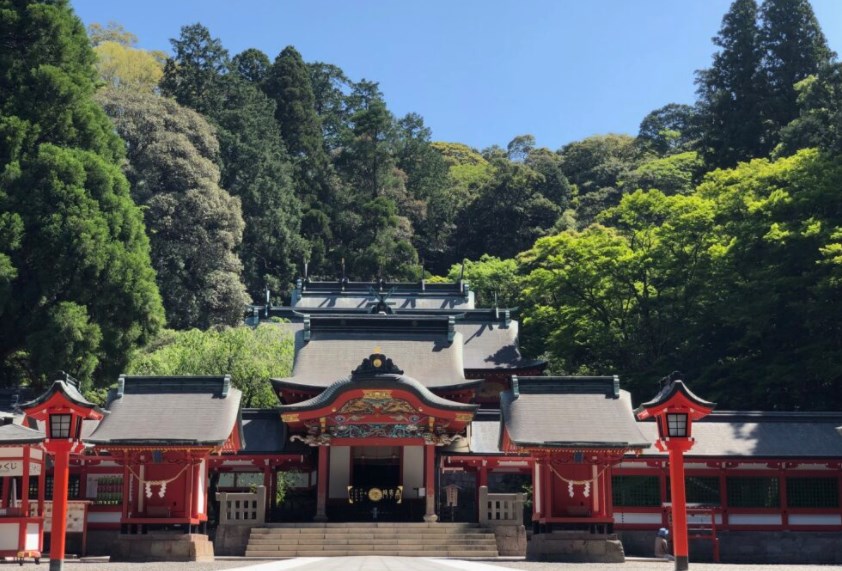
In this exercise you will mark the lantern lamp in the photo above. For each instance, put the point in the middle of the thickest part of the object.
(678, 425)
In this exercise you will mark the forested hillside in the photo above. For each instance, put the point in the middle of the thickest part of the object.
(140, 189)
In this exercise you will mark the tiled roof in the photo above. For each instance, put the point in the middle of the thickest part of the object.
(385, 382)
(492, 345)
(330, 356)
(170, 411)
(762, 435)
(68, 389)
(570, 412)
(12, 434)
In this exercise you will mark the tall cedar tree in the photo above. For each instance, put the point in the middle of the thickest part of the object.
(254, 163)
(731, 92)
(288, 84)
(195, 226)
(77, 289)
(794, 48)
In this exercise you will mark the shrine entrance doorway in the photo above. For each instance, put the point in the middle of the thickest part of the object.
(376, 467)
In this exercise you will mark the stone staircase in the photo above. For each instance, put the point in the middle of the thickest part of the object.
(346, 539)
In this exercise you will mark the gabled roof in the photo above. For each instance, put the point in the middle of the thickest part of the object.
(492, 345)
(766, 435)
(330, 356)
(167, 411)
(12, 434)
(68, 389)
(347, 294)
(675, 391)
(570, 412)
(385, 382)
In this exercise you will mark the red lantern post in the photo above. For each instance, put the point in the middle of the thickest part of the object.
(675, 408)
(62, 409)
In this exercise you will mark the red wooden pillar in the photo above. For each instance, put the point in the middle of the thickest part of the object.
(196, 483)
(430, 482)
(24, 497)
(321, 488)
(270, 494)
(538, 489)
(547, 485)
(679, 507)
(61, 474)
(127, 499)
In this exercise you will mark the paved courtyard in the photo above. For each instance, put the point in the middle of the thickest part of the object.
(417, 564)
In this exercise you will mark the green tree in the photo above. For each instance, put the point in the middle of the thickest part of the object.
(731, 92)
(819, 122)
(508, 215)
(250, 355)
(595, 166)
(493, 281)
(76, 283)
(255, 167)
(252, 65)
(113, 32)
(195, 226)
(428, 184)
(331, 88)
(794, 48)
(671, 129)
(620, 298)
(288, 84)
(673, 174)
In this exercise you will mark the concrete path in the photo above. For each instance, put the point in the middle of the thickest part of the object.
(412, 564)
(430, 564)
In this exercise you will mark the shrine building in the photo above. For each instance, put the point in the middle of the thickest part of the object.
(410, 411)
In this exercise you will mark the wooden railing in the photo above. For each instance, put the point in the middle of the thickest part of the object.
(500, 509)
(242, 508)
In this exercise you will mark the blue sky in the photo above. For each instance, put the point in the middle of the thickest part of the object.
(480, 72)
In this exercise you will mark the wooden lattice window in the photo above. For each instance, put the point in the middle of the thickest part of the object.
(812, 492)
(637, 491)
(699, 490)
(753, 492)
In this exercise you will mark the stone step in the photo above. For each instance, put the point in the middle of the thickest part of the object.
(305, 553)
(355, 535)
(367, 524)
(301, 540)
(361, 547)
(371, 538)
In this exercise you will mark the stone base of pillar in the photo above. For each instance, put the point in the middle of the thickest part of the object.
(162, 547)
(56, 564)
(575, 547)
(320, 517)
(682, 563)
(431, 518)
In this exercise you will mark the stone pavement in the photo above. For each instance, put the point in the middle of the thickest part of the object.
(417, 564)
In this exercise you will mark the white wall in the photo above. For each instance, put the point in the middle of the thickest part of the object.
(340, 471)
(413, 470)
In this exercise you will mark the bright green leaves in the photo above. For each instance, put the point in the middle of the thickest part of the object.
(249, 355)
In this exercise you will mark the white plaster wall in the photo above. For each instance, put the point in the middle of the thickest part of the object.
(340, 471)
(201, 482)
(413, 470)
(9, 535)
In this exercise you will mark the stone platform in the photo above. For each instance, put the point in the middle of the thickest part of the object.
(575, 547)
(163, 547)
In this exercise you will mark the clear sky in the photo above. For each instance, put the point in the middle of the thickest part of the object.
(479, 71)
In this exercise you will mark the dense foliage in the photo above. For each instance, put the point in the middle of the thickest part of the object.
(77, 290)
(710, 242)
(250, 355)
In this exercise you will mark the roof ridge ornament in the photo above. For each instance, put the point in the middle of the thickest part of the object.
(376, 364)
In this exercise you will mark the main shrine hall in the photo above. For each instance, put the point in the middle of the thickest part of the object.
(408, 408)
